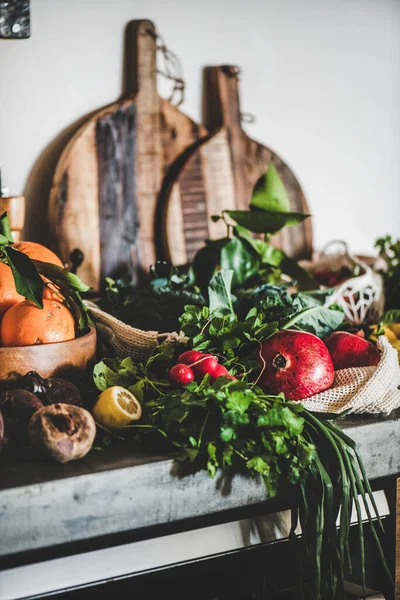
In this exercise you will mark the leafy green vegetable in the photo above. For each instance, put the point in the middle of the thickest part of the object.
(219, 292)
(226, 424)
(269, 192)
(265, 221)
(240, 257)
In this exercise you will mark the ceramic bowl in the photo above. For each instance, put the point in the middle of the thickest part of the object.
(67, 360)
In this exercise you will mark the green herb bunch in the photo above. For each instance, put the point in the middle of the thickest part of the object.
(234, 426)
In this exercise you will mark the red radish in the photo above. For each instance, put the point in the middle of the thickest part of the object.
(349, 350)
(189, 357)
(296, 363)
(207, 365)
(181, 374)
(222, 371)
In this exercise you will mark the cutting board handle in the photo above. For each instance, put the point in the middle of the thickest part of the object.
(221, 105)
(140, 69)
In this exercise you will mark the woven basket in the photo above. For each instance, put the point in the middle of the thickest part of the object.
(361, 297)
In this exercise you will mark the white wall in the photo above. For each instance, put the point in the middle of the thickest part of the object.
(322, 76)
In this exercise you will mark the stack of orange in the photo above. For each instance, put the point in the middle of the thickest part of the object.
(22, 322)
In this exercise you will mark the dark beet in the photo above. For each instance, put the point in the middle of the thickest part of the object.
(17, 407)
(19, 404)
(2, 435)
(63, 392)
(33, 382)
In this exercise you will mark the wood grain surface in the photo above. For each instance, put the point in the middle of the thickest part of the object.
(107, 181)
(14, 206)
(220, 173)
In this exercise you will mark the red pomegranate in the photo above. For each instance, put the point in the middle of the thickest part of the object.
(296, 363)
(350, 350)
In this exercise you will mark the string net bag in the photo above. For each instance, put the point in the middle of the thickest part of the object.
(360, 293)
(373, 390)
(125, 340)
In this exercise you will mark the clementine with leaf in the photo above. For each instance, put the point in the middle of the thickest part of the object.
(24, 324)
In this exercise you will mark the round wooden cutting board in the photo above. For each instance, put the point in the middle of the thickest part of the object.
(105, 187)
(219, 174)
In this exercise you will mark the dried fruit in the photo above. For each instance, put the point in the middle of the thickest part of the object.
(62, 432)
(295, 363)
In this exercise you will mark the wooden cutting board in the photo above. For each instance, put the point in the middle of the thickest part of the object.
(220, 173)
(106, 184)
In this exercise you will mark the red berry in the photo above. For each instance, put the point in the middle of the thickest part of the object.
(206, 366)
(189, 357)
(181, 374)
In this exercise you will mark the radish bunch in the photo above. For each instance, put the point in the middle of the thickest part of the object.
(193, 365)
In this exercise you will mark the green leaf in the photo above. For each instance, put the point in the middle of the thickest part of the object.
(212, 463)
(28, 282)
(207, 261)
(3, 240)
(219, 292)
(259, 465)
(5, 229)
(304, 280)
(113, 371)
(269, 193)
(390, 317)
(319, 320)
(239, 401)
(277, 258)
(56, 273)
(239, 257)
(265, 221)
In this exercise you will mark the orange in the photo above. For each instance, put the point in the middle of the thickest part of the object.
(25, 324)
(8, 294)
(38, 252)
(51, 290)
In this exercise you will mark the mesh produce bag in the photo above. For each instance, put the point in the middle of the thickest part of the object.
(126, 340)
(361, 296)
(363, 390)
(371, 390)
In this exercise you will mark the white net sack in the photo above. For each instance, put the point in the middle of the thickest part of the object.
(371, 390)
(361, 297)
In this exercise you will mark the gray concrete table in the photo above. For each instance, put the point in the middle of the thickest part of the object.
(45, 505)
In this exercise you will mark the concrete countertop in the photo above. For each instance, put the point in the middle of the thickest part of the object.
(43, 505)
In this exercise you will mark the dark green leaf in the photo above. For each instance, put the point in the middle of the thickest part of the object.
(265, 221)
(219, 293)
(269, 193)
(238, 256)
(5, 229)
(304, 280)
(28, 282)
(56, 273)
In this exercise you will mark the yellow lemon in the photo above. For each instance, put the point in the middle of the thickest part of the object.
(116, 407)
(387, 332)
(395, 327)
